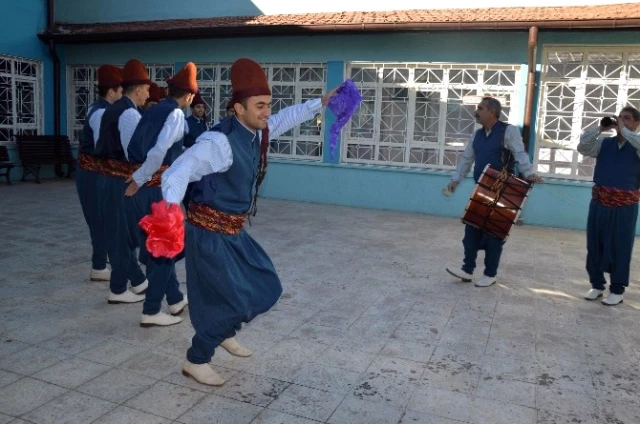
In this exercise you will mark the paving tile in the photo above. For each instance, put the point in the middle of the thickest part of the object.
(220, 410)
(26, 395)
(166, 400)
(72, 408)
(71, 373)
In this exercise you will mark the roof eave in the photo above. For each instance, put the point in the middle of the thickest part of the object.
(274, 30)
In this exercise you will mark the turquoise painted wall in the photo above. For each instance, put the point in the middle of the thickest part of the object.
(556, 203)
(83, 11)
(20, 22)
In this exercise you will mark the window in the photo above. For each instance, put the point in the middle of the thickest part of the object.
(421, 114)
(20, 97)
(82, 86)
(290, 84)
(581, 85)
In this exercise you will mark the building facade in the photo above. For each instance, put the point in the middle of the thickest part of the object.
(419, 90)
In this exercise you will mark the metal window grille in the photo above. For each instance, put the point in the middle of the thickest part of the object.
(290, 83)
(20, 97)
(82, 84)
(579, 86)
(421, 114)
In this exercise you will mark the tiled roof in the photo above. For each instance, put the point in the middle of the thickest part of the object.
(612, 16)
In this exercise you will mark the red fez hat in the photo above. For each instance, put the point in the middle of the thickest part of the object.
(198, 100)
(185, 79)
(135, 73)
(248, 79)
(156, 93)
(109, 76)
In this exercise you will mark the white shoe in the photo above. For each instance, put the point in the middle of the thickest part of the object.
(141, 288)
(612, 299)
(458, 273)
(160, 319)
(100, 275)
(593, 294)
(126, 297)
(485, 281)
(232, 346)
(178, 308)
(202, 373)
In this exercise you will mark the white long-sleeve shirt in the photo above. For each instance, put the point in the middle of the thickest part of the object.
(512, 141)
(172, 132)
(94, 123)
(212, 152)
(127, 124)
(591, 142)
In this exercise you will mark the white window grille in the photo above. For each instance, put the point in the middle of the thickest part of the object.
(21, 98)
(290, 84)
(82, 88)
(422, 114)
(579, 86)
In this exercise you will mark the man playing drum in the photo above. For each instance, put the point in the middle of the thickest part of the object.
(488, 145)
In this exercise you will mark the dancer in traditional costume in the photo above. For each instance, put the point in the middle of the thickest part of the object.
(613, 211)
(117, 125)
(155, 145)
(230, 278)
(109, 90)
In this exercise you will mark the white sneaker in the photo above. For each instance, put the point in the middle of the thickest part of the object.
(160, 319)
(232, 346)
(178, 308)
(459, 273)
(141, 288)
(485, 281)
(202, 373)
(612, 299)
(100, 275)
(126, 297)
(593, 294)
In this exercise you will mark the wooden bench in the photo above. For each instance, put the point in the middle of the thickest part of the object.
(38, 150)
(5, 164)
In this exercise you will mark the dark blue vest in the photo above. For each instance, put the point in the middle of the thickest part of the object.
(231, 191)
(146, 134)
(87, 144)
(617, 167)
(109, 144)
(490, 150)
(196, 127)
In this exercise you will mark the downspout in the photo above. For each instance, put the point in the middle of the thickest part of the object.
(531, 86)
(56, 83)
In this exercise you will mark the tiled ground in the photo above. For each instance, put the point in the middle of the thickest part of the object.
(370, 328)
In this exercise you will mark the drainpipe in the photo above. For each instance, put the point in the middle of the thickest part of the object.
(56, 83)
(531, 86)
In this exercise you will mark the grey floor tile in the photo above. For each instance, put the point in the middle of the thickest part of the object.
(306, 402)
(112, 353)
(71, 373)
(72, 343)
(117, 385)
(495, 412)
(30, 360)
(219, 410)
(274, 417)
(356, 411)
(71, 408)
(259, 391)
(125, 415)
(26, 395)
(166, 400)
(442, 403)
(153, 365)
(327, 378)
